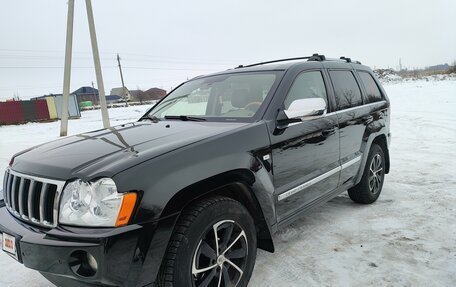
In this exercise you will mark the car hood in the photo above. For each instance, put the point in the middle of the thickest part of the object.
(108, 151)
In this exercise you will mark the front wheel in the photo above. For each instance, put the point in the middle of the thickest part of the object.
(213, 244)
(369, 188)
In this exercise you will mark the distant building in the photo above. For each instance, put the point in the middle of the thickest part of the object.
(136, 95)
(441, 67)
(112, 99)
(155, 93)
(56, 101)
(89, 94)
(85, 94)
(152, 94)
(124, 93)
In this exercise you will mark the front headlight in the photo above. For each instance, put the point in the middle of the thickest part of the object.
(95, 204)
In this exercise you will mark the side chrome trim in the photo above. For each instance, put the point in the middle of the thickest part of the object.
(351, 162)
(306, 184)
(357, 107)
(317, 179)
(337, 112)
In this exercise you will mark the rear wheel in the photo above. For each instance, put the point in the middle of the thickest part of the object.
(369, 188)
(213, 244)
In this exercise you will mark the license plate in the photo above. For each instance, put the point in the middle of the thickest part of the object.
(9, 244)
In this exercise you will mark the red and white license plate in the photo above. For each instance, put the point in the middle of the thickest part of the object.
(9, 244)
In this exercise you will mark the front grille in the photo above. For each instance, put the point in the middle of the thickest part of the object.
(31, 198)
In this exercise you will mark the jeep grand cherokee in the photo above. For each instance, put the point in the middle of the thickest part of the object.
(186, 195)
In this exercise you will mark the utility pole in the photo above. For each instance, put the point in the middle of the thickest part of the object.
(96, 60)
(124, 90)
(67, 69)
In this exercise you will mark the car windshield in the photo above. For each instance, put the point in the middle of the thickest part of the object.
(234, 96)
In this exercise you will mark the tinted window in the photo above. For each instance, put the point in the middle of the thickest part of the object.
(346, 89)
(373, 92)
(307, 85)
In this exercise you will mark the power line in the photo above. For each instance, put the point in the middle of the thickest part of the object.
(171, 69)
(48, 67)
(110, 67)
(42, 57)
(79, 83)
(112, 55)
(163, 60)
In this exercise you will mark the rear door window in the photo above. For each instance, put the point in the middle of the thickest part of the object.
(346, 89)
(373, 92)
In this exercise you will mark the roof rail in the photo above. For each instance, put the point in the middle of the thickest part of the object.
(349, 60)
(314, 57)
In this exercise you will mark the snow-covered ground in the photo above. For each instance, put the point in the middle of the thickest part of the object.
(407, 238)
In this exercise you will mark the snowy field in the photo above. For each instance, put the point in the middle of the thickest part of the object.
(407, 238)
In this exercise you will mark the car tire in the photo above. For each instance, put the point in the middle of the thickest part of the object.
(369, 188)
(195, 258)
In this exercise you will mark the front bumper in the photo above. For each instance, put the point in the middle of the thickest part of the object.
(125, 256)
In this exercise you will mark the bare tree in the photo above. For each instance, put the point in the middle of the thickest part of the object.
(452, 68)
(346, 99)
(16, 96)
(140, 96)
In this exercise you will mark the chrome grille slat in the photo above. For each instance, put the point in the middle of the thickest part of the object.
(31, 194)
(8, 188)
(21, 196)
(5, 184)
(13, 193)
(33, 199)
(42, 202)
(55, 214)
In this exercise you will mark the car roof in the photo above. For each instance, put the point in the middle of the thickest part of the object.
(292, 63)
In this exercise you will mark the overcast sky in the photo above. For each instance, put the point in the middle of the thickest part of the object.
(162, 43)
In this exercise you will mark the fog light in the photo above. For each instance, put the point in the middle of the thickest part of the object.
(82, 263)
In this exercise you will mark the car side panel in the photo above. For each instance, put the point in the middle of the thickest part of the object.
(243, 149)
(302, 153)
(375, 123)
(379, 120)
(352, 123)
(355, 124)
(377, 127)
(239, 149)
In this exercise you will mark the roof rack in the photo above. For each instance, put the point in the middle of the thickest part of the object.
(314, 57)
(349, 60)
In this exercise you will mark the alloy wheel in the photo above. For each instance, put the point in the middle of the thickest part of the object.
(221, 256)
(375, 174)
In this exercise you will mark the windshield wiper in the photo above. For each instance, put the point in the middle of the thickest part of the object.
(150, 117)
(185, 118)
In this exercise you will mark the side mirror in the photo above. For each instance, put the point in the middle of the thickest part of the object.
(306, 109)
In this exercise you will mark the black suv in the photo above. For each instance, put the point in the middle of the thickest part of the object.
(186, 195)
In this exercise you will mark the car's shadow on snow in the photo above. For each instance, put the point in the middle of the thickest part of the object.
(303, 247)
(321, 220)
